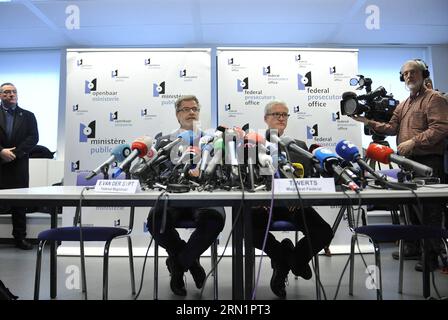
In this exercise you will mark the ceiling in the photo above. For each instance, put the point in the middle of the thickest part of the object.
(195, 23)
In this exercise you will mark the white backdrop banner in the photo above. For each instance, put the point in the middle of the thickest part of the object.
(310, 81)
(117, 95)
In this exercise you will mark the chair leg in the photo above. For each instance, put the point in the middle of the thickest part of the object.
(38, 269)
(379, 284)
(317, 276)
(352, 264)
(131, 264)
(156, 269)
(106, 270)
(214, 254)
(296, 240)
(83, 272)
(400, 261)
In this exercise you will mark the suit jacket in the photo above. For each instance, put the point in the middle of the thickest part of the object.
(24, 137)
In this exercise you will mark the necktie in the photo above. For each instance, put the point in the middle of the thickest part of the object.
(9, 122)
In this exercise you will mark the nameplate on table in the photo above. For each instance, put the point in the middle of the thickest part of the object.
(305, 185)
(118, 186)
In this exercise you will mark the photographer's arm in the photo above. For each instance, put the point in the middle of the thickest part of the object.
(390, 128)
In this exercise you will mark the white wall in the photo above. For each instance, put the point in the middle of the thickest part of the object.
(36, 76)
(439, 71)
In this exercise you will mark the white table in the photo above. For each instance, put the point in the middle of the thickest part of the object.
(68, 196)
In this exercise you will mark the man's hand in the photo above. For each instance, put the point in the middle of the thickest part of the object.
(359, 118)
(406, 148)
(7, 155)
(194, 172)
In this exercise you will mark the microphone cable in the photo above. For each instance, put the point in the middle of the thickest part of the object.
(78, 219)
(237, 218)
(265, 238)
(149, 245)
(305, 225)
(351, 223)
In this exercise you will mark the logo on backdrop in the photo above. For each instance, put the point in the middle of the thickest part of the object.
(297, 57)
(183, 75)
(90, 86)
(332, 69)
(299, 113)
(158, 89)
(113, 116)
(312, 131)
(149, 62)
(143, 112)
(266, 70)
(304, 81)
(230, 61)
(75, 166)
(117, 77)
(227, 107)
(242, 85)
(87, 132)
(81, 63)
(78, 110)
(335, 116)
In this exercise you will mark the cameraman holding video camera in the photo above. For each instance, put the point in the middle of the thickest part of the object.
(421, 125)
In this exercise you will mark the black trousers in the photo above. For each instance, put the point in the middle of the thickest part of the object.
(209, 223)
(18, 222)
(431, 214)
(319, 232)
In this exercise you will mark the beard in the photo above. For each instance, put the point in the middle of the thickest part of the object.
(415, 85)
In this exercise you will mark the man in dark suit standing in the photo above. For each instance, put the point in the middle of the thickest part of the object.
(18, 135)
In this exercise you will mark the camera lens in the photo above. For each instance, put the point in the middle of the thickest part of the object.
(350, 106)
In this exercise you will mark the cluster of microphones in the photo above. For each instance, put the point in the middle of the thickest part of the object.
(232, 158)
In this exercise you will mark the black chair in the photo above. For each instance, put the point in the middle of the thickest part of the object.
(188, 224)
(74, 233)
(390, 233)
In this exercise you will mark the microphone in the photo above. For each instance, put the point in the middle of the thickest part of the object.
(299, 170)
(191, 156)
(385, 155)
(141, 166)
(230, 145)
(329, 163)
(139, 149)
(349, 152)
(206, 151)
(119, 153)
(218, 147)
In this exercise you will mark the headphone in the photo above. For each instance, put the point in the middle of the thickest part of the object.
(421, 64)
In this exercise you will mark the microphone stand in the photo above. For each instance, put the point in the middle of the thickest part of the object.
(105, 172)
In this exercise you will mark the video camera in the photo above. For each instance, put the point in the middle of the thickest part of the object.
(376, 105)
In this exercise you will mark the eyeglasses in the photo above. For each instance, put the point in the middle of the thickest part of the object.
(279, 115)
(9, 91)
(187, 110)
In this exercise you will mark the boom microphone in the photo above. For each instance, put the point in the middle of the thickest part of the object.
(119, 153)
(384, 154)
